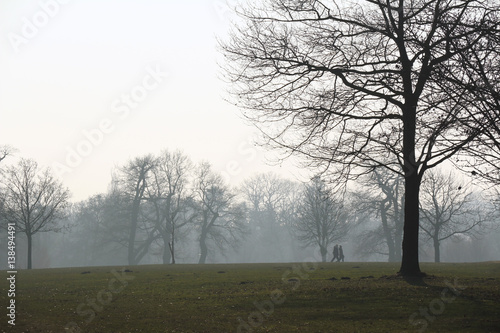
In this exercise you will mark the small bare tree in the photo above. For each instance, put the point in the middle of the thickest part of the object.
(271, 210)
(131, 183)
(448, 208)
(168, 198)
(383, 199)
(321, 220)
(89, 220)
(5, 151)
(219, 218)
(34, 200)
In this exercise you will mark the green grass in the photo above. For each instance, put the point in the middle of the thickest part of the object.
(261, 297)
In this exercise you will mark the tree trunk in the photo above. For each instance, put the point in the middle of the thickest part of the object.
(203, 248)
(131, 244)
(437, 253)
(30, 246)
(143, 249)
(409, 262)
(167, 256)
(387, 232)
(134, 216)
(324, 251)
(398, 243)
(398, 235)
(172, 251)
(171, 245)
(399, 223)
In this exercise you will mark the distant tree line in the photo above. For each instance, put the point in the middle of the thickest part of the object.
(165, 208)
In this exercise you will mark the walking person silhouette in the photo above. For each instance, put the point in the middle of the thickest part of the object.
(335, 253)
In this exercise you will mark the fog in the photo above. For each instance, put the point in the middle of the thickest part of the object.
(53, 250)
(105, 94)
(259, 220)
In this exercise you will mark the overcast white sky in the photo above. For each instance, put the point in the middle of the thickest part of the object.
(87, 85)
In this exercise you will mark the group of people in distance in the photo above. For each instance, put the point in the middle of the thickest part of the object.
(338, 253)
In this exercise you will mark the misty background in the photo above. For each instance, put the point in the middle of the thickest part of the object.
(89, 88)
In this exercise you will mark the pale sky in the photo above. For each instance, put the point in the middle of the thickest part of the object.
(85, 85)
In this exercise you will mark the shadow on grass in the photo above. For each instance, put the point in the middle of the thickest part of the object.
(415, 280)
(411, 279)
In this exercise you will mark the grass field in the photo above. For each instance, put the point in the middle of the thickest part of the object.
(293, 297)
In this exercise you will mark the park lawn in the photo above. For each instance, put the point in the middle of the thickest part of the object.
(281, 297)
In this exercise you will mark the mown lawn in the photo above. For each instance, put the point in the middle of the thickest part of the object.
(285, 297)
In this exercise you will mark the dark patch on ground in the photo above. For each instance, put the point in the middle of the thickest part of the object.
(245, 282)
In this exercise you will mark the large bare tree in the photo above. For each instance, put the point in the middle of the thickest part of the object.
(34, 200)
(357, 85)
